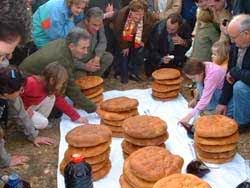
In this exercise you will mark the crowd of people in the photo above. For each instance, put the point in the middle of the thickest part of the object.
(45, 45)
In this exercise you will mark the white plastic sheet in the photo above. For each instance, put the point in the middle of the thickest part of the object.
(227, 175)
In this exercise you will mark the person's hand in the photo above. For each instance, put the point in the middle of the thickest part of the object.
(18, 160)
(109, 8)
(30, 112)
(108, 15)
(229, 78)
(109, 11)
(96, 60)
(192, 103)
(43, 141)
(223, 29)
(166, 59)
(92, 65)
(177, 40)
(156, 15)
(82, 120)
(125, 52)
(186, 119)
(221, 109)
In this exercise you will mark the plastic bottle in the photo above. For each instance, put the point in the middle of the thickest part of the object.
(14, 181)
(77, 173)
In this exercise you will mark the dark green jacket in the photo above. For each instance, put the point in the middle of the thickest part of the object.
(58, 51)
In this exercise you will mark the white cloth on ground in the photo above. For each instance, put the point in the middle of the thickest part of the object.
(227, 175)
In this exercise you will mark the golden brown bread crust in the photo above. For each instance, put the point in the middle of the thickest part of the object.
(92, 90)
(118, 134)
(124, 183)
(143, 126)
(166, 73)
(91, 160)
(232, 139)
(113, 128)
(88, 135)
(164, 95)
(129, 148)
(133, 179)
(164, 88)
(88, 151)
(217, 148)
(214, 161)
(221, 155)
(215, 126)
(169, 81)
(101, 173)
(164, 99)
(94, 95)
(119, 104)
(98, 166)
(147, 141)
(116, 116)
(181, 181)
(113, 123)
(153, 163)
(125, 155)
(98, 99)
(87, 82)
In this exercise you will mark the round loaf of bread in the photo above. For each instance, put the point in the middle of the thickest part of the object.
(87, 82)
(119, 104)
(166, 74)
(88, 135)
(164, 88)
(143, 126)
(153, 163)
(215, 126)
(181, 181)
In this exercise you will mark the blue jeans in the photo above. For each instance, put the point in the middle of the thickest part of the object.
(129, 64)
(239, 103)
(215, 98)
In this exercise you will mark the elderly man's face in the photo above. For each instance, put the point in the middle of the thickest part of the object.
(240, 38)
(172, 28)
(93, 25)
(6, 48)
(216, 5)
(79, 50)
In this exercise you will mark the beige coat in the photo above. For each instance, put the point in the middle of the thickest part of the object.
(218, 18)
(173, 6)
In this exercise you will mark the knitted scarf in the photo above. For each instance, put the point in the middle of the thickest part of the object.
(130, 26)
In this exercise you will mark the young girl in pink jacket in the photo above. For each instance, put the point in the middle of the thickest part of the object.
(209, 78)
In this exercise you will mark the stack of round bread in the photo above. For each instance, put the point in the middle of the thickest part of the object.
(92, 88)
(216, 138)
(93, 143)
(142, 131)
(166, 84)
(181, 181)
(114, 111)
(147, 165)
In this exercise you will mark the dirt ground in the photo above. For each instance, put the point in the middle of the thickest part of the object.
(41, 170)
